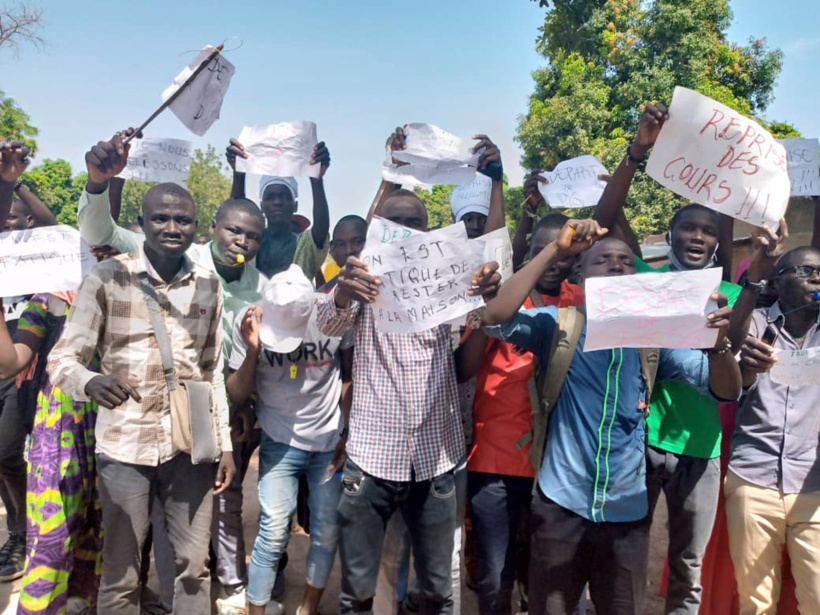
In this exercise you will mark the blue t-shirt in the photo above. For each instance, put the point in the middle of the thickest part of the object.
(594, 462)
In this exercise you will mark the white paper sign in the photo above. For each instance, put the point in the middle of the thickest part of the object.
(712, 155)
(574, 183)
(797, 368)
(279, 149)
(199, 104)
(159, 160)
(433, 156)
(803, 162)
(43, 260)
(498, 248)
(663, 310)
(425, 278)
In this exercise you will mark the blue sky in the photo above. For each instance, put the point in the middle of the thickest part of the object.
(357, 68)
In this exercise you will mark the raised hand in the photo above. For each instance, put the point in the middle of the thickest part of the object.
(107, 159)
(532, 196)
(489, 155)
(321, 155)
(756, 356)
(13, 161)
(395, 142)
(250, 328)
(577, 236)
(486, 281)
(234, 149)
(719, 319)
(769, 246)
(652, 120)
(356, 283)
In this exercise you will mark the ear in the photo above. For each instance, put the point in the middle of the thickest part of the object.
(213, 227)
(141, 222)
(669, 238)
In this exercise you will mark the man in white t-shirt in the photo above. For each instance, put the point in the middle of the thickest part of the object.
(295, 370)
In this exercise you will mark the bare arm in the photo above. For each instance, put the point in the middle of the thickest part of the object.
(16, 355)
(575, 237)
(42, 215)
(470, 355)
(394, 142)
(492, 156)
(115, 187)
(529, 211)
(233, 150)
(13, 162)
(726, 241)
(241, 383)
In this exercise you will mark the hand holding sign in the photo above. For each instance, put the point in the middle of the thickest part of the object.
(283, 149)
(757, 356)
(430, 156)
(714, 156)
(649, 128)
(107, 159)
(356, 283)
(769, 246)
(13, 161)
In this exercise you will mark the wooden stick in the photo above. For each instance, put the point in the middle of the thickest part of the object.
(176, 94)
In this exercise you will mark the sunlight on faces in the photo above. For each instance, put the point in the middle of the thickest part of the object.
(694, 236)
(405, 208)
(608, 257)
(795, 291)
(168, 219)
(237, 235)
(278, 205)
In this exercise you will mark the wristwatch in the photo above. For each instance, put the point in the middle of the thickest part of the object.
(755, 287)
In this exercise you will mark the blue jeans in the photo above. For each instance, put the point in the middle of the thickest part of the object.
(280, 467)
(429, 510)
(496, 503)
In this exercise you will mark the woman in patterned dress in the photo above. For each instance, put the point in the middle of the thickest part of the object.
(64, 521)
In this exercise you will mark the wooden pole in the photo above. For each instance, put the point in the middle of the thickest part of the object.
(176, 94)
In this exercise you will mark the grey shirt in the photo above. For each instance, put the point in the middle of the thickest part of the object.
(777, 430)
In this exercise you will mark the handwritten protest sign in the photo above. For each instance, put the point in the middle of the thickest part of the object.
(425, 277)
(574, 183)
(41, 260)
(433, 156)
(664, 310)
(159, 160)
(803, 162)
(797, 368)
(279, 149)
(712, 155)
(199, 104)
(498, 248)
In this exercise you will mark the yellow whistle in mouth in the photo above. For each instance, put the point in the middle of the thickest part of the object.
(240, 258)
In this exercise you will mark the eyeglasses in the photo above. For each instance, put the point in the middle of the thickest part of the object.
(800, 271)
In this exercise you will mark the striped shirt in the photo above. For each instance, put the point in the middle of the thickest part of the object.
(110, 316)
(405, 422)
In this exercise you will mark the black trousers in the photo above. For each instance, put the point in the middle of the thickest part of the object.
(568, 551)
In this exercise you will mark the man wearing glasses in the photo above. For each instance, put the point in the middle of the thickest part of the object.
(773, 483)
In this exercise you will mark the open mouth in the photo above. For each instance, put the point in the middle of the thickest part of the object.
(695, 252)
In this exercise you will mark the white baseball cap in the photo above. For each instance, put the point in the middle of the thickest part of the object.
(287, 303)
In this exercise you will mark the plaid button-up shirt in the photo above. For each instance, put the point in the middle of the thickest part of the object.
(405, 422)
(110, 315)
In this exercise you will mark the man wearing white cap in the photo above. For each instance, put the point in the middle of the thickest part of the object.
(295, 371)
(471, 203)
(278, 199)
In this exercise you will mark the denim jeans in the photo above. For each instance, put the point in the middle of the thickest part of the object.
(692, 487)
(429, 510)
(280, 467)
(496, 502)
(392, 586)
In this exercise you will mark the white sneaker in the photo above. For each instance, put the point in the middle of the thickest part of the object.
(233, 605)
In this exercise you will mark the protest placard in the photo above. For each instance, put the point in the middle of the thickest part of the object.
(797, 368)
(803, 162)
(664, 310)
(159, 160)
(574, 183)
(433, 156)
(498, 248)
(425, 278)
(43, 260)
(713, 155)
(199, 104)
(282, 149)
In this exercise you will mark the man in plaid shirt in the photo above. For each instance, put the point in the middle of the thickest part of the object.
(136, 458)
(405, 435)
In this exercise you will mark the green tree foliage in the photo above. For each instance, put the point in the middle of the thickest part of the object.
(607, 58)
(437, 202)
(15, 124)
(53, 182)
(207, 183)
